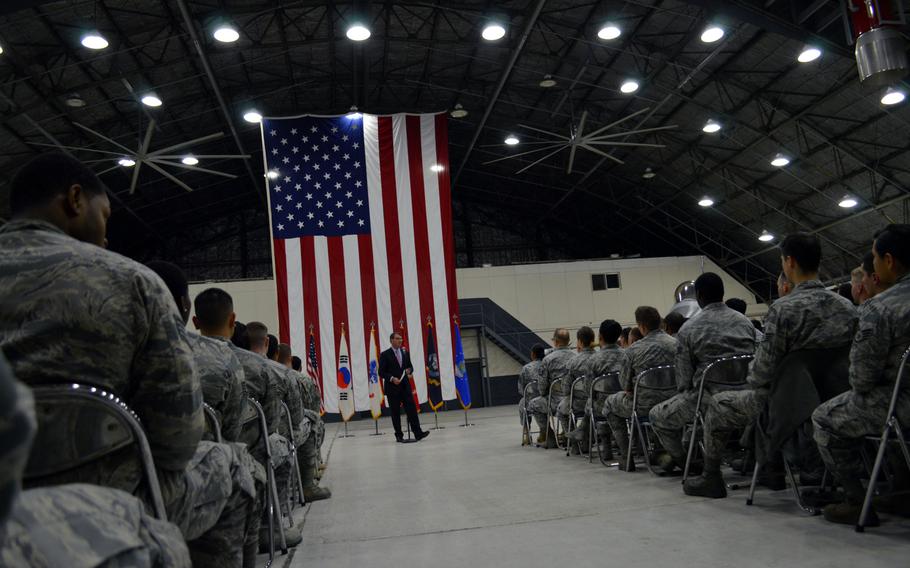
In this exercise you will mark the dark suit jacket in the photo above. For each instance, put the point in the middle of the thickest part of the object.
(390, 369)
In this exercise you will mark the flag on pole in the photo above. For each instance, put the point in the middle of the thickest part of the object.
(345, 394)
(375, 385)
(361, 218)
(434, 386)
(404, 348)
(462, 385)
(312, 369)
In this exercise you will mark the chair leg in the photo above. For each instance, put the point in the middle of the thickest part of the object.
(751, 498)
(873, 478)
(592, 438)
(631, 443)
(692, 436)
(275, 511)
(643, 438)
(794, 486)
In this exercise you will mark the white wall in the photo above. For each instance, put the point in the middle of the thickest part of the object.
(254, 300)
(499, 363)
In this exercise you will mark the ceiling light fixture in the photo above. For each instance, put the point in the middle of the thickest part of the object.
(649, 173)
(609, 31)
(1, 50)
(151, 100)
(358, 32)
(272, 174)
(629, 86)
(765, 236)
(780, 161)
(511, 140)
(711, 126)
(436, 168)
(253, 116)
(848, 202)
(74, 100)
(354, 114)
(226, 34)
(190, 160)
(126, 162)
(706, 201)
(712, 34)
(809, 54)
(493, 31)
(547, 82)
(459, 111)
(893, 96)
(94, 40)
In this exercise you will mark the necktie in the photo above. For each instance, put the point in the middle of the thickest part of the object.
(398, 356)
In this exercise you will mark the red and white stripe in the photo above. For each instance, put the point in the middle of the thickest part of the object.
(404, 271)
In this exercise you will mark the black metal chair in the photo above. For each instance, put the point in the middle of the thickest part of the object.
(555, 426)
(295, 465)
(211, 422)
(659, 381)
(578, 387)
(272, 502)
(526, 433)
(105, 425)
(601, 387)
(893, 432)
(724, 374)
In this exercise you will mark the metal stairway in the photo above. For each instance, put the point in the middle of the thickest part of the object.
(498, 326)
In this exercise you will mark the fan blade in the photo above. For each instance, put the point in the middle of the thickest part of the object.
(553, 153)
(135, 178)
(553, 134)
(581, 124)
(631, 132)
(208, 138)
(77, 148)
(604, 154)
(204, 156)
(571, 158)
(618, 122)
(103, 137)
(193, 168)
(167, 174)
(524, 153)
(608, 143)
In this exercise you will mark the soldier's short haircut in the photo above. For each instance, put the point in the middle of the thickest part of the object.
(561, 335)
(634, 334)
(240, 338)
(213, 307)
(46, 176)
(737, 305)
(625, 333)
(284, 351)
(647, 316)
(538, 351)
(173, 278)
(868, 265)
(710, 286)
(258, 333)
(757, 325)
(273, 346)
(894, 240)
(610, 330)
(856, 275)
(804, 248)
(297, 364)
(585, 334)
(674, 321)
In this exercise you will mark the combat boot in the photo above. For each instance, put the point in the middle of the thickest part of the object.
(311, 491)
(848, 512)
(542, 438)
(292, 538)
(709, 484)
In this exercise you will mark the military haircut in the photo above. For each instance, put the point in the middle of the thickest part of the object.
(868, 266)
(173, 278)
(737, 305)
(257, 333)
(561, 335)
(610, 330)
(625, 333)
(757, 325)
(213, 307)
(585, 334)
(634, 334)
(46, 176)
(297, 364)
(241, 338)
(647, 316)
(284, 351)
(674, 321)
(710, 286)
(539, 350)
(273, 346)
(804, 248)
(894, 240)
(856, 275)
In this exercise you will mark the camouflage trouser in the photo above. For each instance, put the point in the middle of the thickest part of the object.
(562, 409)
(726, 411)
(88, 525)
(538, 409)
(307, 461)
(617, 409)
(522, 415)
(670, 417)
(212, 502)
(842, 422)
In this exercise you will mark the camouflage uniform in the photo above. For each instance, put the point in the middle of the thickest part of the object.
(74, 311)
(608, 359)
(527, 376)
(259, 384)
(578, 367)
(715, 332)
(71, 525)
(555, 366)
(810, 317)
(655, 349)
(222, 382)
(875, 357)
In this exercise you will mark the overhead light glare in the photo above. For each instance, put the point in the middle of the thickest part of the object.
(765, 237)
(94, 40)
(893, 96)
(711, 127)
(848, 202)
(809, 54)
(712, 34)
(358, 32)
(1, 50)
(126, 162)
(780, 161)
(629, 86)
(706, 201)
(511, 140)
(609, 31)
(436, 168)
(226, 34)
(74, 100)
(354, 114)
(252, 116)
(459, 111)
(151, 100)
(190, 160)
(493, 32)
(547, 82)
(272, 174)
(648, 174)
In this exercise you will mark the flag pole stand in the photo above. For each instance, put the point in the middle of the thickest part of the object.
(377, 432)
(409, 439)
(436, 418)
(466, 423)
(346, 434)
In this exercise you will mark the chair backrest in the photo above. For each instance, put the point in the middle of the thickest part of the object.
(606, 384)
(528, 391)
(212, 424)
(287, 415)
(263, 425)
(105, 425)
(660, 380)
(556, 388)
(727, 373)
(899, 383)
(578, 387)
(829, 369)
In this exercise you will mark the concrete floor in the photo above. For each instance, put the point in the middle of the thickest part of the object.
(474, 497)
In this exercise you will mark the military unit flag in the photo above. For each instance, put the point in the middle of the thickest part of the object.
(462, 386)
(375, 384)
(434, 386)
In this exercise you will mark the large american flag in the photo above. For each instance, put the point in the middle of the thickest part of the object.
(361, 223)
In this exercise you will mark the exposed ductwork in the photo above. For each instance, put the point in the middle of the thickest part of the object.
(881, 50)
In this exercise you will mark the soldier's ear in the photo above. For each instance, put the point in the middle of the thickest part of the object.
(195, 322)
(74, 200)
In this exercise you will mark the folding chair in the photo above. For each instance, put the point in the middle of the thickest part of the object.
(578, 386)
(272, 502)
(526, 433)
(892, 425)
(661, 381)
(601, 387)
(724, 374)
(211, 422)
(105, 425)
(295, 466)
(553, 423)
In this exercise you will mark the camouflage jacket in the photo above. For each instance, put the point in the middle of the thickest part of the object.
(17, 428)
(529, 375)
(290, 394)
(259, 384)
(610, 358)
(579, 367)
(715, 332)
(653, 350)
(221, 376)
(555, 366)
(882, 339)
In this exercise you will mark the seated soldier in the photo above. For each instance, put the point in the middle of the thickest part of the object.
(608, 359)
(272, 350)
(882, 338)
(297, 364)
(856, 285)
(737, 305)
(634, 335)
(74, 311)
(810, 317)
(784, 287)
(716, 331)
(578, 367)
(624, 337)
(218, 368)
(872, 284)
(656, 348)
(673, 322)
(554, 367)
(285, 357)
(529, 376)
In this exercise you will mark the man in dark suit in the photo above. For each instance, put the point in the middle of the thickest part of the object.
(393, 363)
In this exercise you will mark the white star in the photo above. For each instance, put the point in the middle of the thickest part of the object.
(295, 149)
(347, 175)
(293, 131)
(360, 203)
(310, 215)
(327, 175)
(284, 141)
(297, 168)
(307, 177)
(288, 198)
(297, 186)
(287, 179)
(337, 166)
(335, 148)
(305, 139)
(309, 196)
(300, 225)
(273, 132)
(286, 160)
(345, 137)
(312, 129)
(325, 157)
(315, 147)
(318, 185)
(347, 156)
(319, 204)
(349, 195)
(356, 145)
(316, 167)
(290, 216)
(278, 208)
(340, 224)
(357, 183)
(329, 214)
(338, 204)
(338, 186)
(277, 189)
(280, 227)
(356, 164)
(325, 138)
(328, 195)
(360, 222)
(299, 206)
(350, 213)
(334, 129)
(306, 158)
(274, 151)
(321, 224)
